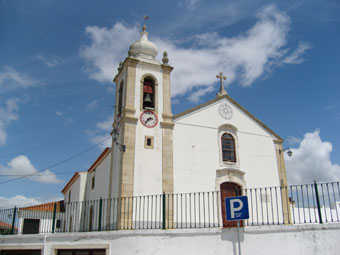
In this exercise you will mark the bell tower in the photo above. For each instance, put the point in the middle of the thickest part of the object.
(144, 122)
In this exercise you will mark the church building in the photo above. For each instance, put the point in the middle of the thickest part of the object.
(215, 146)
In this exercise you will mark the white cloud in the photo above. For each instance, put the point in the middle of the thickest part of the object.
(22, 201)
(292, 140)
(101, 134)
(11, 79)
(198, 94)
(18, 201)
(243, 58)
(103, 140)
(93, 105)
(61, 115)
(311, 161)
(50, 61)
(108, 47)
(189, 4)
(8, 113)
(296, 56)
(329, 107)
(105, 125)
(21, 165)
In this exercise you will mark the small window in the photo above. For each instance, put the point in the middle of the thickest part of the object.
(58, 224)
(148, 93)
(69, 196)
(228, 148)
(148, 142)
(93, 181)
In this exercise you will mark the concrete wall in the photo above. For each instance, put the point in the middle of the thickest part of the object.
(264, 240)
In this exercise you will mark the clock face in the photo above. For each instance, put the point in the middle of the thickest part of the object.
(149, 119)
(225, 111)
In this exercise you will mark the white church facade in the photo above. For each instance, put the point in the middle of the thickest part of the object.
(216, 146)
(160, 187)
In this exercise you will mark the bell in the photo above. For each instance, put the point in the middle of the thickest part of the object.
(148, 100)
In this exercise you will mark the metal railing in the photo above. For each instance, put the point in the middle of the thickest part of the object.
(295, 204)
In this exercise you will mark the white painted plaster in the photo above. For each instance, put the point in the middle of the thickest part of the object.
(148, 162)
(197, 150)
(265, 240)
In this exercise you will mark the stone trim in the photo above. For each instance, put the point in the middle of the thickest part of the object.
(166, 90)
(283, 181)
(146, 146)
(127, 169)
(230, 175)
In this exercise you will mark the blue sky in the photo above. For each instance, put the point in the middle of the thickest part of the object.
(58, 58)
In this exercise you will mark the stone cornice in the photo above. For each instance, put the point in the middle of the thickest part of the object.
(165, 124)
(167, 68)
(129, 61)
(278, 142)
(129, 119)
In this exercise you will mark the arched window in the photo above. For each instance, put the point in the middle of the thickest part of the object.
(120, 98)
(148, 93)
(228, 148)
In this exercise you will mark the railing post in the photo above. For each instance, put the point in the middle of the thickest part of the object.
(54, 216)
(13, 220)
(100, 215)
(318, 201)
(164, 213)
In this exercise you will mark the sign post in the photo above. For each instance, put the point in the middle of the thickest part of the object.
(236, 209)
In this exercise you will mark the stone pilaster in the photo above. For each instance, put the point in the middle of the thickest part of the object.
(128, 138)
(167, 144)
(287, 218)
(130, 64)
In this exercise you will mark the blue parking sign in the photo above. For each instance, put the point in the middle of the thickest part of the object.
(236, 208)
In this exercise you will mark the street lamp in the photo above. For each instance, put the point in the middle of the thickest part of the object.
(115, 135)
(289, 152)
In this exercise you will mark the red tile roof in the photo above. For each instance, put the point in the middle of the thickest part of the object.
(4, 225)
(100, 159)
(48, 207)
(70, 182)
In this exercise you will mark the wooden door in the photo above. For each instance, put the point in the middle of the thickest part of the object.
(229, 189)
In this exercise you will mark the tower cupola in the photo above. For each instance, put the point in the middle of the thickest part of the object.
(143, 47)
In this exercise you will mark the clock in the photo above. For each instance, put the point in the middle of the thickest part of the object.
(149, 119)
(225, 111)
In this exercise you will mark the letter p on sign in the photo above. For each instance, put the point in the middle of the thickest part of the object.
(236, 208)
(233, 209)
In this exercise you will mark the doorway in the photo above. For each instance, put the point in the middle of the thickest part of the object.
(229, 189)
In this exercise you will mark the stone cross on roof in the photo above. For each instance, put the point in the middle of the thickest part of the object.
(221, 77)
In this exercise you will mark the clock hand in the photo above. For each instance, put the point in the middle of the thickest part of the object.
(148, 119)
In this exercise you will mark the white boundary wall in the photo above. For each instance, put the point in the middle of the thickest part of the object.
(278, 240)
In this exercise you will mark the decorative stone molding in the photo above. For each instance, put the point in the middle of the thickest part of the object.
(232, 130)
(230, 175)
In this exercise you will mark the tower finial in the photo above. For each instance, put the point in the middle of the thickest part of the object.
(145, 19)
(221, 77)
